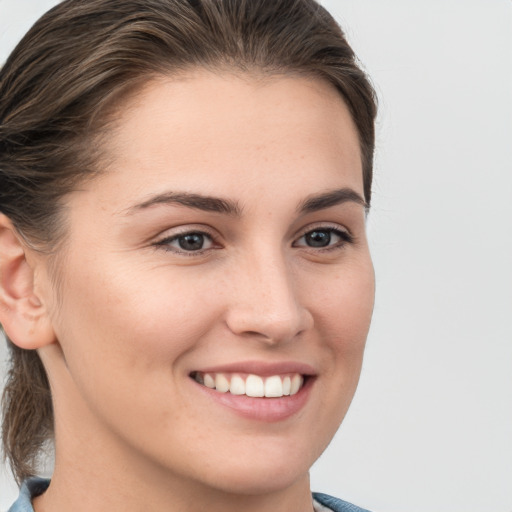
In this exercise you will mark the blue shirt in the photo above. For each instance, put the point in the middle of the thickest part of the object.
(36, 486)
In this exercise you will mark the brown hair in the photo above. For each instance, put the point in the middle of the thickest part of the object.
(58, 88)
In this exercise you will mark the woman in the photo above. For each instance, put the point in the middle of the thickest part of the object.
(183, 258)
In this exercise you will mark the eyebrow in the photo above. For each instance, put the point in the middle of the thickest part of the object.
(311, 204)
(331, 198)
(196, 201)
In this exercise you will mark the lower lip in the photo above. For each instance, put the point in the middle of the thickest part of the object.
(262, 409)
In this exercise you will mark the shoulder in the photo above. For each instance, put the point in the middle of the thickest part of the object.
(335, 504)
(30, 489)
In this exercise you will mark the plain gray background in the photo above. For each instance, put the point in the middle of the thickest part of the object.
(430, 428)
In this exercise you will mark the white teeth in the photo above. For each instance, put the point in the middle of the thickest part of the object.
(237, 386)
(221, 383)
(254, 386)
(274, 387)
(287, 385)
(297, 381)
(209, 381)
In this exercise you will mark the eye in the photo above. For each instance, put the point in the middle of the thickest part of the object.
(324, 237)
(190, 242)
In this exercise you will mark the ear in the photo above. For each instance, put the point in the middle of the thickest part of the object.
(22, 314)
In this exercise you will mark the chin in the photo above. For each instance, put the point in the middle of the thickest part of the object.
(258, 481)
(266, 470)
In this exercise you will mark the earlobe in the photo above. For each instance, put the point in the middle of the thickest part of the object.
(22, 313)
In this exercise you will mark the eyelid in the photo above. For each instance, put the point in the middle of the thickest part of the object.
(343, 232)
(328, 226)
(163, 240)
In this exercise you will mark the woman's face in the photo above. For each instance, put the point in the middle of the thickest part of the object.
(224, 246)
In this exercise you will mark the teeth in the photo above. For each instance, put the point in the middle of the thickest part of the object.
(287, 385)
(254, 386)
(237, 386)
(221, 383)
(209, 381)
(275, 386)
(297, 382)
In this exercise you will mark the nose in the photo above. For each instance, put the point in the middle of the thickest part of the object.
(266, 301)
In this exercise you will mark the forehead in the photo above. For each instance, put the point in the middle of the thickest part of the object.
(206, 130)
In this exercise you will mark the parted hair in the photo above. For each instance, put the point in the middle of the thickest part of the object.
(61, 88)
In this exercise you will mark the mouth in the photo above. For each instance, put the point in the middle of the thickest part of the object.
(252, 385)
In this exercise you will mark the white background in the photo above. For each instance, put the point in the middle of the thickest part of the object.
(430, 429)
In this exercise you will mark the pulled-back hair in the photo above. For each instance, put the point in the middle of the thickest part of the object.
(60, 88)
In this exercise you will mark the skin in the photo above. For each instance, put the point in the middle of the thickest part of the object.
(132, 317)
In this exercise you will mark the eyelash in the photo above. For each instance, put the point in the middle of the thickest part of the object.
(165, 242)
(344, 236)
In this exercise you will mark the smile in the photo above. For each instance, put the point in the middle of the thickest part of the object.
(274, 386)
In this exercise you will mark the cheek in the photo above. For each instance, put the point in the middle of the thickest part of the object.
(343, 307)
(131, 322)
(343, 314)
(342, 310)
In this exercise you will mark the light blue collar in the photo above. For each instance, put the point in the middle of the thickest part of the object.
(30, 489)
(35, 486)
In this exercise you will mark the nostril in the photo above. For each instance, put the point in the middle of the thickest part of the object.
(254, 333)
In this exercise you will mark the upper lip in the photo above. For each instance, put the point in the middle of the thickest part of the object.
(263, 369)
